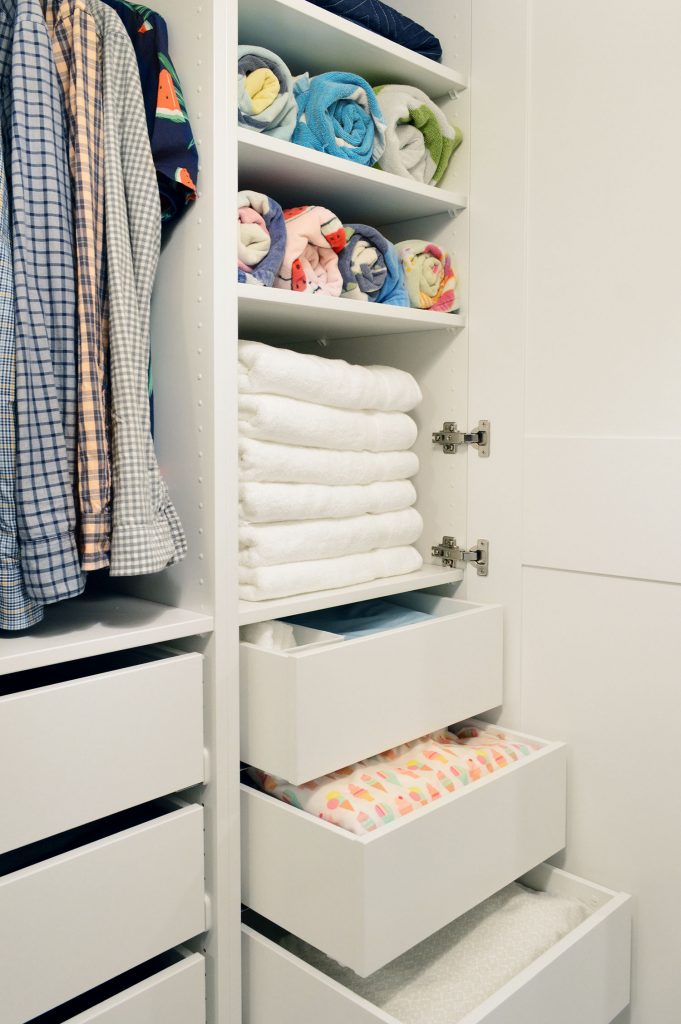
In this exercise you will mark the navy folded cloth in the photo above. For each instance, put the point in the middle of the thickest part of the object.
(386, 22)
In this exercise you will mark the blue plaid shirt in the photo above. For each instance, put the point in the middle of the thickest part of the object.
(44, 277)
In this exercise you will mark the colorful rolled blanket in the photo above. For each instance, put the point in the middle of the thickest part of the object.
(262, 238)
(387, 22)
(428, 275)
(371, 268)
(314, 237)
(419, 140)
(338, 113)
(266, 102)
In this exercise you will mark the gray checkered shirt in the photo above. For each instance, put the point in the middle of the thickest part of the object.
(147, 534)
(42, 235)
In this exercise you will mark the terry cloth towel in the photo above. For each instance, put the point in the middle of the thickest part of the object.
(284, 463)
(376, 791)
(465, 963)
(262, 238)
(278, 503)
(429, 276)
(338, 113)
(387, 22)
(363, 618)
(276, 543)
(419, 140)
(314, 237)
(272, 635)
(266, 101)
(280, 371)
(371, 268)
(289, 421)
(276, 581)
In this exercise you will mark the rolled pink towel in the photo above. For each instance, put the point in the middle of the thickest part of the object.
(314, 238)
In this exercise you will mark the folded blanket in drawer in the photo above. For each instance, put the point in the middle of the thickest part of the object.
(463, 964)
(338, 113)
(314, 237)
(381, 789)
(276, 581)
(289, 421)
(261, 239)
(284, 463)
(419, 140)
(371, 269)
(266, 101)
(276, 543)
(264, 369)
(387, 22)
(278, 503)
(363, 618)
(429, 276)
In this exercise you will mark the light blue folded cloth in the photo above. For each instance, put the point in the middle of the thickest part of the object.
(360, 619)
(371, 268)
(279, 117)
(338, 113)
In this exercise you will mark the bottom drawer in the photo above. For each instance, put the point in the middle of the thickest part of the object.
(170, 989)
(584, 977)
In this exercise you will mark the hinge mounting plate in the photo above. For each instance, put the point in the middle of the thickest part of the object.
(450, 437)
(450, 553)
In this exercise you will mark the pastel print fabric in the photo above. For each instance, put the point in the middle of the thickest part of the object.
(261, 240)
(384, 788)
(314, 238)
(429, 276)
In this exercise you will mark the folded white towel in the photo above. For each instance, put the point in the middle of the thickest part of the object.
(279, 371)
(290, 421)
(272, 635)
(276, 581)
(276, 543)
(280, 503)
(285, 463)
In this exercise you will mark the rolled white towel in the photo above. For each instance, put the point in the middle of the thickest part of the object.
(290, 421)
(279, 503)
(264, 369)
(272, 635)
(275, 581)
(276, 543)
(285, 463)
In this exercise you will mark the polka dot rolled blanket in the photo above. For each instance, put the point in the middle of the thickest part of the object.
(428, 275)
(266, 102)
(419, 140)
(338, 113)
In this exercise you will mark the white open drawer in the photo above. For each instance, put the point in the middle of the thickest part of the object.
(346, 894)
(171, 989)
(308, 712)
(72, 921)
(92, 742)
(583, 979)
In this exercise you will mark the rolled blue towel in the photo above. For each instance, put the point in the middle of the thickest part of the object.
(387, 22)
(266, 102)
(338, 113)
(371, 268)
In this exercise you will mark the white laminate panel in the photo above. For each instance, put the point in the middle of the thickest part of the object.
(308, 712)
(74, 751)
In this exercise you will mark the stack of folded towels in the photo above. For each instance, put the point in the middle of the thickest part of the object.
(325, 492)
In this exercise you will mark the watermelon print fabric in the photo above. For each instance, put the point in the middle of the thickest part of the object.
(172, 142)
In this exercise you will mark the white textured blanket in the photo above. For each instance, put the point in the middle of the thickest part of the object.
(285, 463)
(279, 503)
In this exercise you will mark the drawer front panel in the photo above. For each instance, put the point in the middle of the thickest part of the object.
(77, 751)
(174, 996)
(306, 714)
(584, 978)
(346, 894)
(70, 923)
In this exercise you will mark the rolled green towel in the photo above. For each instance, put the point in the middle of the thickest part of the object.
(419, 140)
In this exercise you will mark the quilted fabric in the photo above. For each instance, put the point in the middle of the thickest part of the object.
(386, 22)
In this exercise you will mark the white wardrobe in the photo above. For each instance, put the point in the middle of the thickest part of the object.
(128, 844)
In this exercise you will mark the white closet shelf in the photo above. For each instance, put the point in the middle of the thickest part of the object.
(428, 576)
(271, 314)
(89, 626)
(293, 175)
(311, 39)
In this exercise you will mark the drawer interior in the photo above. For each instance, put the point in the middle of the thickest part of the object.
(50, 675)
(66, 842)
(82, 1003)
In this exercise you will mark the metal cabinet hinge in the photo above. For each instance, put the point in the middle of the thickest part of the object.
(450, 553)
(450, 437)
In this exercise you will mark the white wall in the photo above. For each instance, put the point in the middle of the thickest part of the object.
(601, 632)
